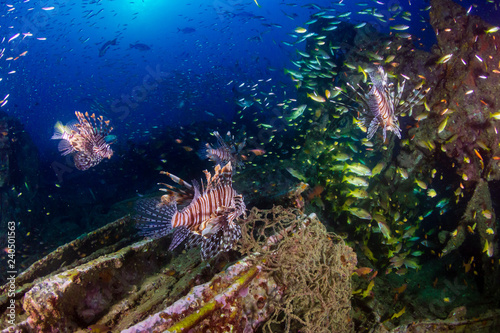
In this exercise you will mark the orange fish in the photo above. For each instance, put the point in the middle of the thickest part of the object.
(257, 152)
(401, 289)
(373, 276)
(315, 192)
(363, 271)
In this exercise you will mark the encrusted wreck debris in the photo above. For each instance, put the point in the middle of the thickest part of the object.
(105, 280)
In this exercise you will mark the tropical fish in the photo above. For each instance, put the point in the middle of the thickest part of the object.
(384, 228)
(140, 47)
(356, 181)
(399, 314)
(209, 218)
(442, 125)
(106, 46)
(368, 289)
(225, 151)
(432, 193)
(360, 212)
(342, 157)
(495, 115)
(85, 140)
(492, 30)
(296, 112)
(187, 30)
(316, 98)
(444, 59)
(296, 174)
(358, 193)
(363, 271)
(400, 27)
(378, 168)
(359, 169)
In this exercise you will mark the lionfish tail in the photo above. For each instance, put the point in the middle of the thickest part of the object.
(153, 218)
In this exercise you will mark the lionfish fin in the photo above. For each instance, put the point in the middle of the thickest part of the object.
(177, 180)
(60, 131)
(220, 140)
(372, 129)
(193, 240)
(65, 147)
(180, 234)
(223, 241)
(227, 174)
(154, 219)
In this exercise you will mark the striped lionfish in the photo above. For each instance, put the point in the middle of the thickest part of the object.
(225, 151)
(209, 218)
(88, 140)
(382, 104)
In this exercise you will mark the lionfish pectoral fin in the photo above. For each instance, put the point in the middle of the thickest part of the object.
(395, 128)
(193, 240)
(154, 219)
(180, 234)
(213, 225)
(373, 128)
(65, 147)
(224, 240)
(210, 247)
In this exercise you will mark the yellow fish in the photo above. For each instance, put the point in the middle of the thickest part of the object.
(369, 289)
(316, 98)
(399, 314)
(443, 124)
(378, 168)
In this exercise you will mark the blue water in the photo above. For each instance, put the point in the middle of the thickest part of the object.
(224, 41)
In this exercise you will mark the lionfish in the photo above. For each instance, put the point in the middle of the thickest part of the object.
(225, 152)
(88, 140)
(209, 219)
(382, 104)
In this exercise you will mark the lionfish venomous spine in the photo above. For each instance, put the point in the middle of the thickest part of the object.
(209, 218)
(382, 104)
(86, 140)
